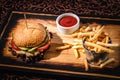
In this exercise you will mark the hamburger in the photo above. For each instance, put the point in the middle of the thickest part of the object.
(30, 40)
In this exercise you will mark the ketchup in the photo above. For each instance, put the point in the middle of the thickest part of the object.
(67, 21)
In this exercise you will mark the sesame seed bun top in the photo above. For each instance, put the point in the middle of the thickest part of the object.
(29, 36)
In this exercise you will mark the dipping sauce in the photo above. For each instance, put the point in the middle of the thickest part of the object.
(67, 21)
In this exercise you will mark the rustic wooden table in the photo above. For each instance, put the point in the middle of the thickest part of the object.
(106, 9)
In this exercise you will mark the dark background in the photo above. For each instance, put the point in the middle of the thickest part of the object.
(88, 8)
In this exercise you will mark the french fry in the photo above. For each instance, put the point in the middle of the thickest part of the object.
(99, 50)
(107, 62)
(88, 29)
(81, 50)
(95, 66)
(104, 40)
(102, 35)
(77, 46)
(74, 35)
(93, 29)
(78, 41)
(63, 47)
(93, 24)
(95, 49)
(94, 40)
(86, 64)
(72, 43)
(99, 62)
(82, 29)
(76, 53)
(107, 44)
(97, 28)
(107, 39)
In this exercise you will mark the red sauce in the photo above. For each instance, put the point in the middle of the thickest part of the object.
(68, 21)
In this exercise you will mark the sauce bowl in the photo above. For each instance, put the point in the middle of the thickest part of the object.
(67, 30)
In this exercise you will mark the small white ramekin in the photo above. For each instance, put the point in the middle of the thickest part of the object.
(67, 30)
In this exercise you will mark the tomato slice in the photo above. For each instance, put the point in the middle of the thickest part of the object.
(44, 47)
(14, 46)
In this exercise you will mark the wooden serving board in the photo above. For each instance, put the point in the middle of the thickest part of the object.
(66, 56)
(56, 59)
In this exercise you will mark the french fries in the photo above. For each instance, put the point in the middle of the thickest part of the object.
(100, 47)
(97, 40)
(97, 34)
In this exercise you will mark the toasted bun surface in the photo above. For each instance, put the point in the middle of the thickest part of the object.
(29, 36)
